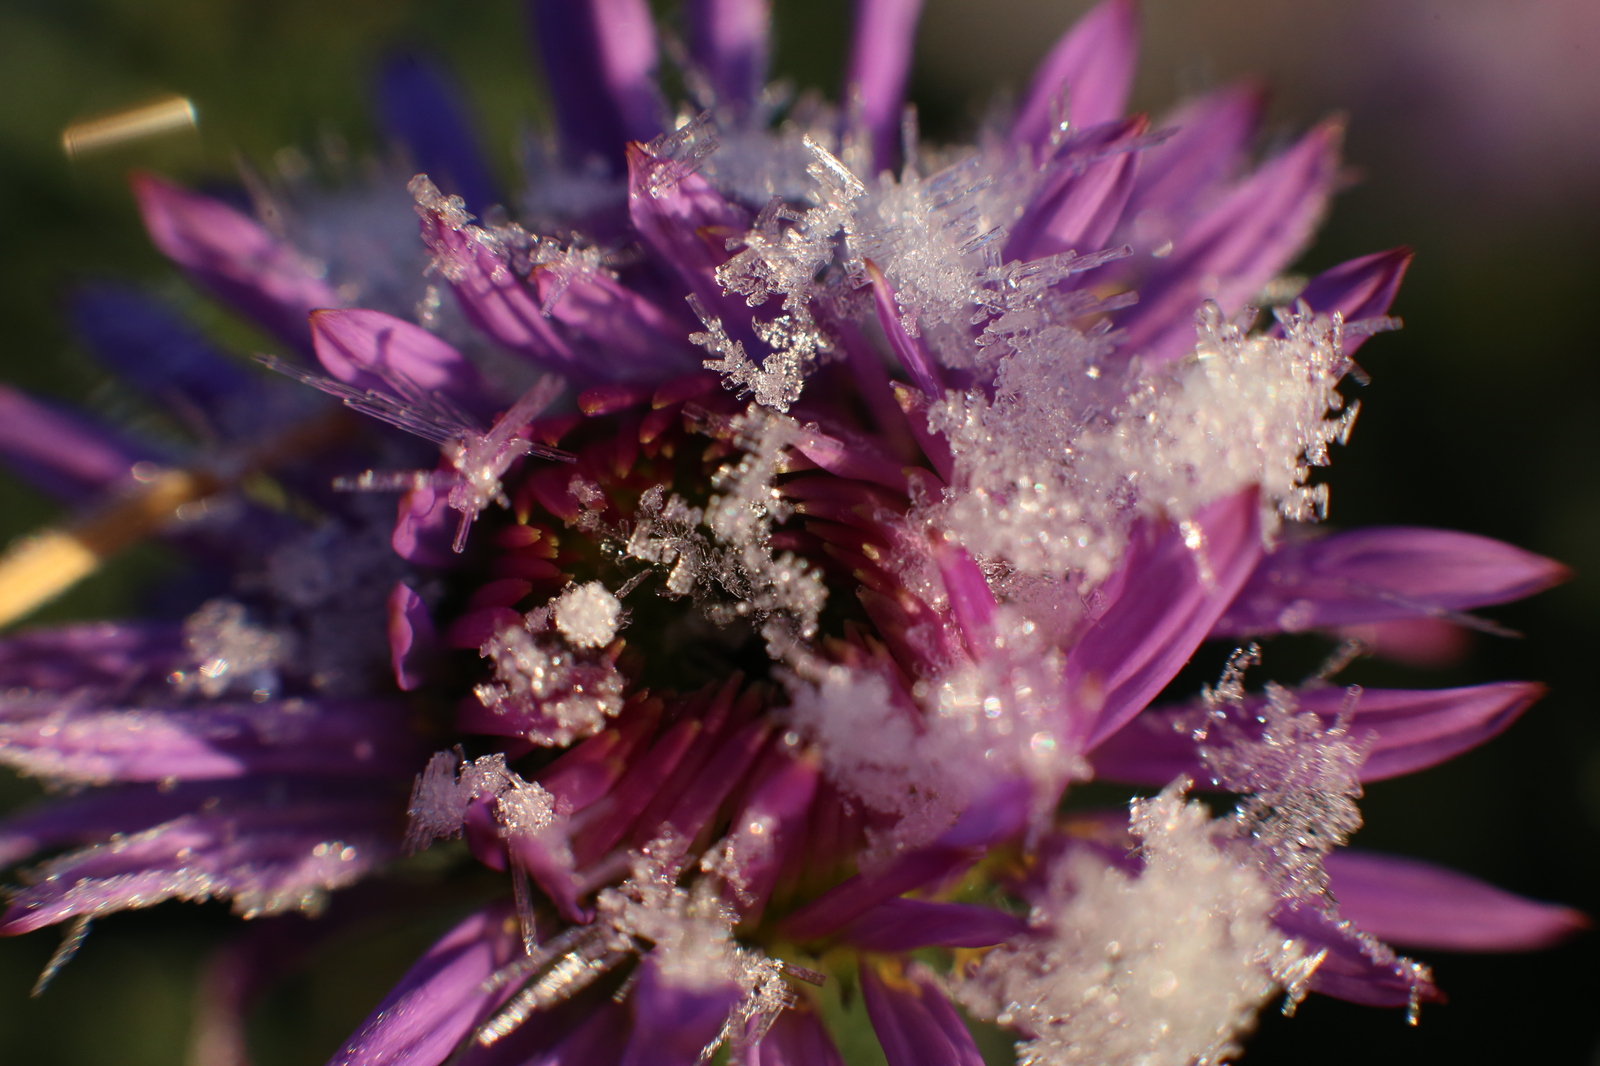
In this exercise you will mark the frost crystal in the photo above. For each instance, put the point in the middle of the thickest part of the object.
(588, 615)
(557, 693)
(1163, 969)
(230, 653)
(1050, 481)
(441, 796)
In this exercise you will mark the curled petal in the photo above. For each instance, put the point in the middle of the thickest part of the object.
(413, 643)
(1419, 905)
(1382, 574)
(234, 258)
(1092, 65)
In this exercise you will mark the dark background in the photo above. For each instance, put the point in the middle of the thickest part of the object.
(1472, 133)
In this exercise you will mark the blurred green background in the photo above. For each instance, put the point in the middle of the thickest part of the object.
(1471, 132)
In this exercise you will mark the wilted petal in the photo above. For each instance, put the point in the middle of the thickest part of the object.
(880, 60)
(420, 106)
(915, 1023)
(1380, 574)
(1164, 610)
(898, 925)
(439, 1000)
(372, 350)
(728, 39)
(1092, 64)
(1232, 250)
(599, 63)
(675, 1017)
(233, 257)
(1419, 905)
(1405, 730)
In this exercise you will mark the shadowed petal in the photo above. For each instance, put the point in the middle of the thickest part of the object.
(796, 1038)
(915, 1023)
(729, 41)
(1092, 64)
(1407, 730)
(909, 924)
(1380, 574)
(1231, 251)
(69, 457)
(372, 350)
(880, 59)
(1419, 905)
(673, 1022)
(1357, 967)
(599, 63)
(420, 106)
(687, 223)
(233, 257)
(439, 1000)
(413, 642)
(1165, 609)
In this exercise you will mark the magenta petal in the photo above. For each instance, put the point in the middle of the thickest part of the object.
(413, 642)
(1357, 289)
(1418, 905)
(1381, 574)
(91, 656)
(728, 39)
(1164, 610)
(1355, 968)
(425, 527)
(372, 350)
(439, 1000)
(912, 353)
(797, 1038)
(971, 602)
(771, 823)
(687, 223)
(880, 60)
(1093, 64)
(631, 336)
(1407, 730)
(233, 257)
(1179, 175)
(1231, 251)
(67, 456)
(67, 742)
(599, 64)
(909, 924)
(916, 1025)
(1081, 215)
(671, 1023)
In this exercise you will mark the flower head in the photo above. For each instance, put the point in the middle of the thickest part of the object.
(791, 515)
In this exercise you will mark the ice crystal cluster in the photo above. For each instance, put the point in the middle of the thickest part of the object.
(789, 515)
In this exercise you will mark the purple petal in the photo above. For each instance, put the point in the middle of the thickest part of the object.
(728, 40)
(598, 1040)
(104, 656)
(1419, 905)
(267, 858)
(1381, 574)
(95, 816)
(880, 60)
(1357, 967)
(439, 1000)
(413, 642)
(1181, 174)
(54, 739)
(1000, 815)
(796, 1038)
(1232, 250)
(66, 456)
(425, 527)
(154, 350)
(912, 353)
(915, 1023)
(235, 259)
(770, 824)
(1357, 289)
(1080, 213)
(971, 601)
(375, 351)
(1407, 730)
(898, 925)
(673, 1023)
(1093, 64)
(631, 336)
(599, 63)
(421, 107)
(1163, 612)
(687, 224)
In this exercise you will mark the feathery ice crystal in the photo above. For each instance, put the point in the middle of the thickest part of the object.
(791, 514)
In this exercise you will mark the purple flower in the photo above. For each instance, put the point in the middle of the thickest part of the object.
(790, 515)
